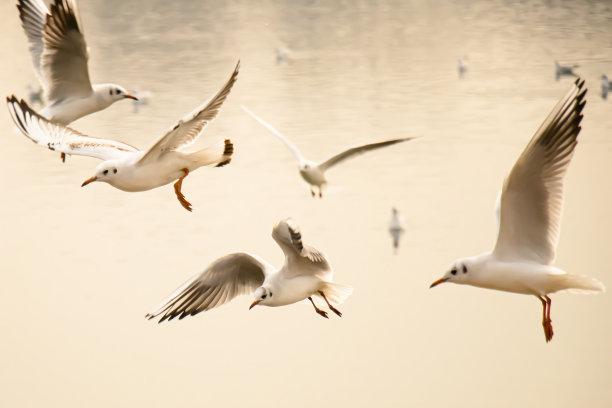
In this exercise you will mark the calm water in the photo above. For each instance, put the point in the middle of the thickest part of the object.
(81, 267)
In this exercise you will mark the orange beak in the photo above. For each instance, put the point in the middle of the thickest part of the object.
(89, 180)
(255, 303)
(130, 96)
(439, 281)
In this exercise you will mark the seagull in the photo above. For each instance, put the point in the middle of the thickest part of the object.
(305, 274)
(313, 172)
(462, 66)
(530, 217)
(564, 70)
(59, 55)
(396, 227)
(124, 166)
(606, 86)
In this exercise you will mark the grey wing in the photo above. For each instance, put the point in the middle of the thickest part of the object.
(532, 194)
(288, 236)
(60, 138)
(354, 151)
(227, 277)
(189, 128)
(33, 14)
(64, 57)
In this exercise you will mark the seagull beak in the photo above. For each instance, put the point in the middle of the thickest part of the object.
(89, 180)
(130, 96)
(255, 303)
(439, 281)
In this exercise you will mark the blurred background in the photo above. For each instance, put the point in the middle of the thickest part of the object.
(81, 266)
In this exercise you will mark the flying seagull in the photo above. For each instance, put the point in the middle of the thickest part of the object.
(313, 172)
(530, 217)
(59, 55)
(124, 166)
(305, 274)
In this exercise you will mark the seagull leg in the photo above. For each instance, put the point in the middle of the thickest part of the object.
(546, 322)
(177, 189)
(312, 192)
(320, 192)
(333, 309)
(319, 311)
(63, 157)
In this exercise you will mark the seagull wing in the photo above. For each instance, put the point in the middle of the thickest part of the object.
(33, 14)
(227, 277)
(304, 258)
(290, 145)
(61, 138)
(186, 131)
(532, 194)
(63, 62)
(354, 151)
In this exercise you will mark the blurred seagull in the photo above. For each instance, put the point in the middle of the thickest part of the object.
(396, 228)
(606, 86)
(305, 273)
(313, 172)
(530, 217)
(124, 166)
(462, 66)
(564, 70)
(59, 55)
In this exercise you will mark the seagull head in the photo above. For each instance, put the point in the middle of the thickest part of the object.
(106, 171)
(261, 296)
(111, 93)
(461, 272)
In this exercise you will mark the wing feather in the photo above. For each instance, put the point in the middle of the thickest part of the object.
(33, 14)
(357, 150)
(288, 236)
(227, 277)
(186, 131)
(532, 194)
(60, 138)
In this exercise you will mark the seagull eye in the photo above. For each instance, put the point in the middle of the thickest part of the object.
(105, 172)
(464, 269)
(264, 296)
(115, 171)
(454, 271)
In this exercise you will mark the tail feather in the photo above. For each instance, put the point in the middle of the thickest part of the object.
(228, 150)
(210, 156)
(336, 293)
(582, 284)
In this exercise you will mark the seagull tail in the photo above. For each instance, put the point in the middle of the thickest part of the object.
(211, 155)
(582, 284)
(336, 293)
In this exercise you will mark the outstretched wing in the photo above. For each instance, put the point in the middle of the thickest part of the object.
(63, 62)
(354, 151)
(60, 138)
(33, 14)
(532, 194)
(186, 131)
(227, 277)
(288, 236)
(278, 134)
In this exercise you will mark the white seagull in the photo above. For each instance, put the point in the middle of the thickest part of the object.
(564, 70)
(396, 228)
(606, 86)
(59, 55)
(124, 166)
(305, 273)
(530, 217)
(313, 172)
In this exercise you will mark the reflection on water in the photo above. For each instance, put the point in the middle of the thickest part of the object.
(81, 267)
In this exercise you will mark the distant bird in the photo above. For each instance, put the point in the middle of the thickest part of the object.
(606, 86)
(35, 95)
(142, 99)
(530, 209)
(283, 54)
(396, 228)
(564, 70)
(313, 172)
(462, 67)
(59, 54)
(305, 273)
(124, 166)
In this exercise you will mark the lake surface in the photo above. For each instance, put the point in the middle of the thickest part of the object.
(82, 266)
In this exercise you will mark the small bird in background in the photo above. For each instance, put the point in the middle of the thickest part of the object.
(59, 55)
(314, 173)
(396, 228)
(283, 54)
(124, 166)
(606, 86)
(142, 99)
(530, 218)
(305, 274)
(564, 70)
(462, 66)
